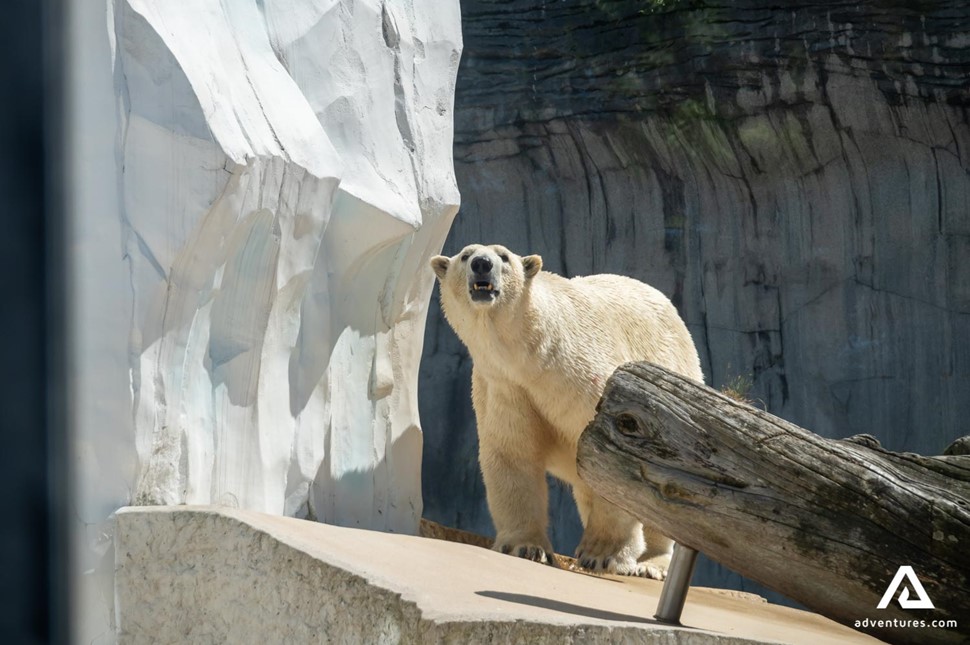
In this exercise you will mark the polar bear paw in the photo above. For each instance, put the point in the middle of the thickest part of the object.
(656, 567)
(527, 551)
(601, 556)
(610, 564)
(622, 567)
(653, 571)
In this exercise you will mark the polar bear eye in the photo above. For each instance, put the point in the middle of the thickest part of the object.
(464, 258)
(505, 258)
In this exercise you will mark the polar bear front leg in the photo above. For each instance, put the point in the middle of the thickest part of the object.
(518, 501)
(612, 538)
(510, 456)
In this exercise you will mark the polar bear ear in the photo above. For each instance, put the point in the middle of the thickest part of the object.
(532, 265)
(439, 264)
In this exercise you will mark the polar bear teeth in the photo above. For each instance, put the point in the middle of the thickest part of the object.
(479, 286)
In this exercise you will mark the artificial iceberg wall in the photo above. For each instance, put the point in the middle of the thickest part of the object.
(251, 279)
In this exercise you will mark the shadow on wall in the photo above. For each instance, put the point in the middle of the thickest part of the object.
(807, 210)
(356, 497)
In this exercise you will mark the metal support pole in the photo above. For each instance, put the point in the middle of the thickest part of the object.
(674, 592)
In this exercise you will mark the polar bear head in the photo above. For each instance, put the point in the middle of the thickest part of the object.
(484, 276)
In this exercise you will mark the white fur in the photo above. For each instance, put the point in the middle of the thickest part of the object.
(542, 351)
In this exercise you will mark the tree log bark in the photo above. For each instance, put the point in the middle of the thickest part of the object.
(827, 523)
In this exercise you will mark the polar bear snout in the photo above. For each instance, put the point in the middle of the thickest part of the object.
(483, 285)
(481, 265)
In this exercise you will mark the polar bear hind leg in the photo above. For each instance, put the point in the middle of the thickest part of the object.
(656, 559)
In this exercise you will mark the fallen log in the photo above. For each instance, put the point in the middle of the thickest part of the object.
(827, 523)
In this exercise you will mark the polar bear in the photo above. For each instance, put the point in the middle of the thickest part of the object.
(542, 348)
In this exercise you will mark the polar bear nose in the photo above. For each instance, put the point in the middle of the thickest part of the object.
(481, 264)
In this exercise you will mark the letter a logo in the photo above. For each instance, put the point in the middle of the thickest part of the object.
(907, 572)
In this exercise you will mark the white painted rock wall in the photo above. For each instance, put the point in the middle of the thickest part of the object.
(287, 173)
(251, 299)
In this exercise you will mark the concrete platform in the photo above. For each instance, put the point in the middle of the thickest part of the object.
(216, 575)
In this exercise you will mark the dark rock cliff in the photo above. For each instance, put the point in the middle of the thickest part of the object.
(797, 180)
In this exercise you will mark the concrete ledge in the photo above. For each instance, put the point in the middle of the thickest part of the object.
(218, 575)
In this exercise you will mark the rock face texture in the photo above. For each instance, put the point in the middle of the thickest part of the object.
(252, 277)
(797, 180)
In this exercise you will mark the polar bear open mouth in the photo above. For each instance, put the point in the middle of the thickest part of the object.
(483, 291)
